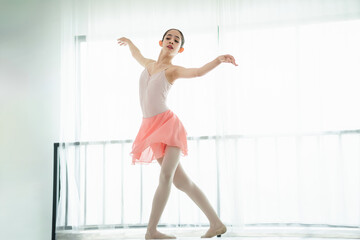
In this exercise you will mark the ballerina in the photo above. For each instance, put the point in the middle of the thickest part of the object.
(162, 136)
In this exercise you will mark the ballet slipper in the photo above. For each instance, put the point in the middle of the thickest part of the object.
(216, 232)
(159, 236)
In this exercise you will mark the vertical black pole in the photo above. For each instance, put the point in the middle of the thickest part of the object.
(56, 147)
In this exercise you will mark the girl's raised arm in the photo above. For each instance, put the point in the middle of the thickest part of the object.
(135, 52)
(181, 72)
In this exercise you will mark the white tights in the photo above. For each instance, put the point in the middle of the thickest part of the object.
(172, 172)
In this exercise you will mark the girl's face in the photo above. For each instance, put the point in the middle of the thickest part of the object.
(172, 41)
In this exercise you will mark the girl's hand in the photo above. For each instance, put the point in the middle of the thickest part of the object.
(227, 59)
(123, 41)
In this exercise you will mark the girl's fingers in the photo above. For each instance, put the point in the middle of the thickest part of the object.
(122, 43)
(227, 58)
(233, 61)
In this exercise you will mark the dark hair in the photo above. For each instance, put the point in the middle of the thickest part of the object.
(182, 36)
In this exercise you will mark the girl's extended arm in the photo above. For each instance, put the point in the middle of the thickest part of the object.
(135, 52)
(181, 72)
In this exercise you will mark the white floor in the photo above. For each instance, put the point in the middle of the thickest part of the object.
(195, 233)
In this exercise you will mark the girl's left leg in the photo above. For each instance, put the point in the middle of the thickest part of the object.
(185, 184)
(168, 167)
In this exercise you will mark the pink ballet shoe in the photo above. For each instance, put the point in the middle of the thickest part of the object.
(213, 233)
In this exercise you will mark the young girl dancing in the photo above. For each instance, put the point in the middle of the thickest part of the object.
(162, 136)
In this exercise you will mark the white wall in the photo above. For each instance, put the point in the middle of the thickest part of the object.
(29, 115)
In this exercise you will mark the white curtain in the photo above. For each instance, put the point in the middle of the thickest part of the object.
(298, 73)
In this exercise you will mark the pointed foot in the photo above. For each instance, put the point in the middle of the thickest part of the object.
(215, 232)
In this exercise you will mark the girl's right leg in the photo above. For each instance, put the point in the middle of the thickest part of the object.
(169, 163)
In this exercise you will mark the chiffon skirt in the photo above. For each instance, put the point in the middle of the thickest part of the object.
(155, 134)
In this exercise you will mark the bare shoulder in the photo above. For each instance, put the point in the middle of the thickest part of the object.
(177, 72)
(171, 73)
(173, 68)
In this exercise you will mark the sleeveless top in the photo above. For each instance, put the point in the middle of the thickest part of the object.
(153, 91)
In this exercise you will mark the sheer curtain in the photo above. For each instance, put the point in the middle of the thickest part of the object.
(297, 75)
(275, 155)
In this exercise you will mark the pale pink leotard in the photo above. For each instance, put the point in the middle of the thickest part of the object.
(160, 127)
(153, 91)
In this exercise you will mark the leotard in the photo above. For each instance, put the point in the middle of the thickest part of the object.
(153, 91)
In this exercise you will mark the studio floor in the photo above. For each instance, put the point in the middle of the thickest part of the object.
(231, 234)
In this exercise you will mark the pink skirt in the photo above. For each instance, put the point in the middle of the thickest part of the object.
(155, 134)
